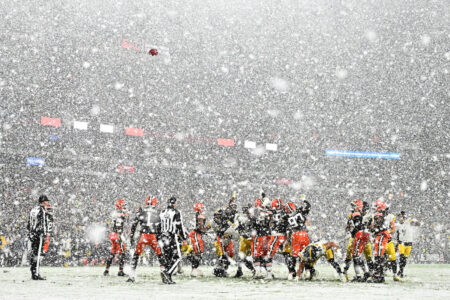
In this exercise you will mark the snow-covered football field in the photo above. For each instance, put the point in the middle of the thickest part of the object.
(422, 282)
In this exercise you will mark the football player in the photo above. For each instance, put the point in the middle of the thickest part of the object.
(223, 244)
(383, 226)
(118, 245)
(405, 236)
(359, 228)
(244, 225)
(311, 254)
(150, 227)
(262, 216)
(278, 237)
(356, 205)
(297, 227)
(196, 238)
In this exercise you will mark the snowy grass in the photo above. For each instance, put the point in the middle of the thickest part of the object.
(422, 281)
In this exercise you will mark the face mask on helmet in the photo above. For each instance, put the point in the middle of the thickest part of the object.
(380, 205)
(120, 204)
(290, 208)
(277, 204)
(357, 205)
(198, 207)
(151, 201)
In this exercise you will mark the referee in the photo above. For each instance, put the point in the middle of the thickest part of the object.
(40, 223)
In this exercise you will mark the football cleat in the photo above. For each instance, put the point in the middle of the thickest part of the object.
(164, 277)
(290, 277)
(38, 277)
(239, 273)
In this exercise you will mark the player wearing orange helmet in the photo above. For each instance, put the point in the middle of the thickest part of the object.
(299, 235)
(279, 229)
(118, 246)
(383, 226)
(150, 226)
(196, 238)
(262, 217)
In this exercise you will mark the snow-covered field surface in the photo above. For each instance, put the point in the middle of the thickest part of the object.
(422, 282)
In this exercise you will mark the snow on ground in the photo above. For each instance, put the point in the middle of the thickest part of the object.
(422, 282)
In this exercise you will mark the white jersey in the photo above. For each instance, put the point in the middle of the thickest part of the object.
(243, 225)
(406, 231)
(388, 220)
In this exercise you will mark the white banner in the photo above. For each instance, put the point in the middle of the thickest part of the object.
(80, 125)
(249, 145)
(106, 128)
(272, 147)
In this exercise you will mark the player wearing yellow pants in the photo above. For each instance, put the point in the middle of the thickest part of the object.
(289, 260)
(405, 236)
(311, 254)
(243, 226)
(186, 250)
(404, 250)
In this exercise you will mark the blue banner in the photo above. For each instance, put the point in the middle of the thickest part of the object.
(35, 161)
(345, 153)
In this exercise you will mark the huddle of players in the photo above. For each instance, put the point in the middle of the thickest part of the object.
(263, 229)
(267, 228)
(382, 226)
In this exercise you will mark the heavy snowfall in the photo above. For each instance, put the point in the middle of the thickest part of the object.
(212, 100)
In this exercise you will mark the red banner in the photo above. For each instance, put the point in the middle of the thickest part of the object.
(125, 169)
(55, 122)
(283, 181)
(225, 142)
(134, 131)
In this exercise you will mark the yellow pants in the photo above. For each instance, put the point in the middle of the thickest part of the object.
(311, 260)
(404, 250)
(367, 250)
(287, 248)
(245, 246)
(186, 249)
(3, 242)
(390, 251)
(218, 249)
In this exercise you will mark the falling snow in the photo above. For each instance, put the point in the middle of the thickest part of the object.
(241, 96)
